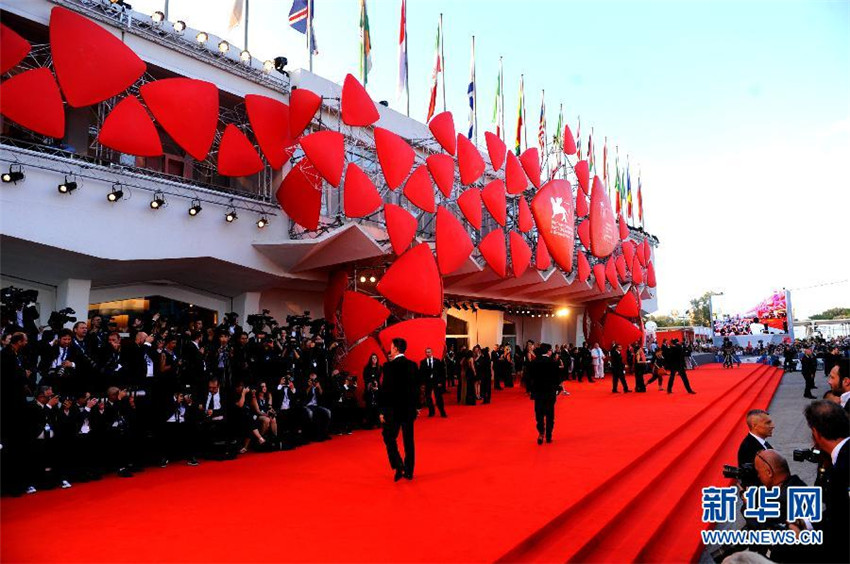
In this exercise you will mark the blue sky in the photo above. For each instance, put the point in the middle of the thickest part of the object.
(736, 113)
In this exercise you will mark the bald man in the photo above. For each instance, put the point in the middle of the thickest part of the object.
(760, 426)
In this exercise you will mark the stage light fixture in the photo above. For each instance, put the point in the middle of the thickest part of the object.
(280, 64)
(158, 17)
(245, 56)
(67, 187)
(15, 174)
(196, 207)
(158, 200)
(116, 194)
(268, 66)
(179, 26)
(362, 279)
(465, 307)
(223, 46)
(372, 279)
(202, 37)
(384, 103)
(262, 222)
(562, 312)
(231, 216)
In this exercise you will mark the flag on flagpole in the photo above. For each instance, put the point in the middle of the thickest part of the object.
(541, 127)
(590, 161)
(470, 93)
(558, 140)
(300, 16)
(629, 194)
(640, 201)
(435, 75)
(236, 14)
(617, 176)
(498, 104)
(605, 161)
(365, 45)
(519, 117)
(578, 138)
(402, 56)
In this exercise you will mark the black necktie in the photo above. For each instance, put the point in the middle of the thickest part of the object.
(767, 446)
(212, 403)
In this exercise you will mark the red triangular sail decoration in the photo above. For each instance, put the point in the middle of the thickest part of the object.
(530, 160)
(629, 253)
(622, 270)
(270, 122)
(493, 196)
(360, 197)
(421, 333)
(470, 205)
(303, 105)
(637, 275)
(129, 129)
(611, 273)
(583, 231)
(515, 179)
(442, 126)
(583, 269)
(187, 109)
(13, 49)
(647, 250)
(495, 149)
(569, 141)
(419, 190)
(337, 283)
(583, 176)
(650, 275)
(326, 150)
(524, 219)
(358, 109)
(599, 275)
(494, 251)
(359, 356)
(442, 169)
(453, 244)
(619, 330)
(603, 229)
(300, 195)
(624, 229)
(236, 154)
(469, 161)
(32, 99)
(520, 254)
(395, 155)
(628, 306)
(91, 63)
(640, 254)
(542, 258)
(414, 282)
(581, 204)
(554, 216)
(401, 227)
(361, 315)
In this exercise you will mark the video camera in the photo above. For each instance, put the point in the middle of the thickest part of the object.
(58, 319)
(807, 455)
(744, 473)
(13, 297)
(259, 322)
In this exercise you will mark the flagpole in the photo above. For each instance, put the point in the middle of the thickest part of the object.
(309, 34)
(502, 100)
(443, 62)
(524, 115)
(474, 95)
(165, 10)
(246, 26)
(406, 64)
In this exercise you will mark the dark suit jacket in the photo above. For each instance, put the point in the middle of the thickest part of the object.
(399, 394)
(544, 379)
(836, 519)
(747, 455)
(193, 371)
(809, 365)
(432, 377)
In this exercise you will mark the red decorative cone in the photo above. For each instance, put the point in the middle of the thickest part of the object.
(413, 282)
(358, 109)
(236, 154)
(401, 227)
(129, 129)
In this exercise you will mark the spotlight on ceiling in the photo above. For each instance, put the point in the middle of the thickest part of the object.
(158, 17)
(231, 216)
(384, 103)
(158, 200)
(196, 207)
(268, 66)
(372, 279)
(280, 64)
(15, 174)
(202, 37)
(245, 56)
(116, 194)
(179, 26)
(223, 46)
(465, 307)
(67, 187)
(262, 222)
(362, 279)
(562, 312)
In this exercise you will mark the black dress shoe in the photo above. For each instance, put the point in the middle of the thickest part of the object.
(548, 440)
(399, 474)
(691, 392)
(408, 475)
(125, 473)
(540, 440)
(809, 396)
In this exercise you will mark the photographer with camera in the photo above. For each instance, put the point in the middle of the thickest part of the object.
(830, 427)
(111, 423)
(318, 415)
(372, 380)
(809, 366)
(244, 422)
(178, 430)
(58, 366)
(291, 416)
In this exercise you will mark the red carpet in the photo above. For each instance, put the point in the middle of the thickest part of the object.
(484, 490)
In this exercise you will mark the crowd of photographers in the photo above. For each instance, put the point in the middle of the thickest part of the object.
(80, 402)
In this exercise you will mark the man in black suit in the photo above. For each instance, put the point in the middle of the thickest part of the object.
(399, 405)
(809, 364)
(838, 379)
(618, 369)
(830, 427)
(544, 384)
(675, 357)
(194, 367)
(761, 427)
(432, 374)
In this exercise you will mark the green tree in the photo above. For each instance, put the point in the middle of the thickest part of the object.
(700, 312)
(834, 313)
(664, 320)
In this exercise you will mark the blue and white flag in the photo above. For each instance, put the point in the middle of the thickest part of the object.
(299, 15)
(470, 91)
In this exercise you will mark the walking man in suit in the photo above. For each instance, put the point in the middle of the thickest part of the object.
(399, 405)
(675, 356)
(809, 366)
(544, 384)
(432, 374)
